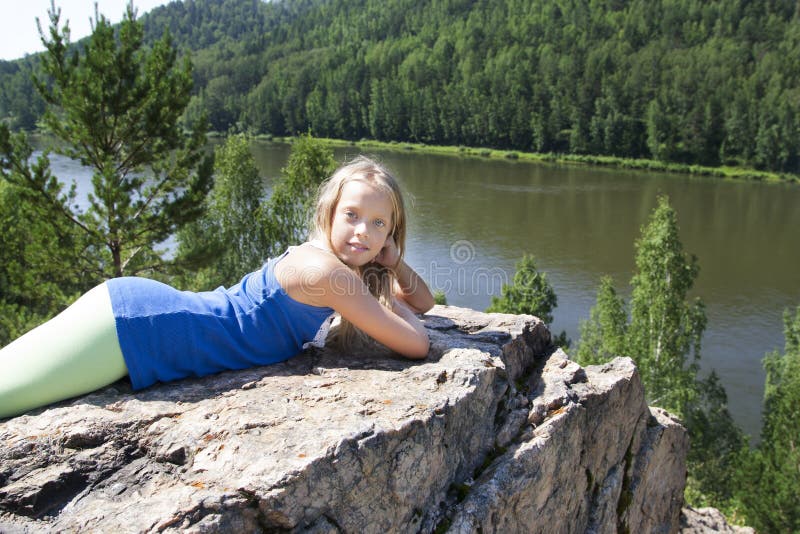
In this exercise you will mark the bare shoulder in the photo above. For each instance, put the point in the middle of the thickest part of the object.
(308, 273)
(317, 277)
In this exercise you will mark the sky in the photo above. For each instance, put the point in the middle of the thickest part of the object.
(18, 32)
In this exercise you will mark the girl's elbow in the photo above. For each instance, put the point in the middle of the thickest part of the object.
(427, 305)
(420, 349)
(420, 305)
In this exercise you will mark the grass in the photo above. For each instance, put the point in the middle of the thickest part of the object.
(723, 172)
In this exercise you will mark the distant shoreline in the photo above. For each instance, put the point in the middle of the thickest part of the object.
(724, 172)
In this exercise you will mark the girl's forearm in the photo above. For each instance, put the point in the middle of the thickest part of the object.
(422, 341)
(412, 288)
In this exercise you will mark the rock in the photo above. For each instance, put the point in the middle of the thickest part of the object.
(594, 459)
(708, 520)
(495, 431)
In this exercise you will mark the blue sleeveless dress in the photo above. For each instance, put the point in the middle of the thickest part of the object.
(166, 334)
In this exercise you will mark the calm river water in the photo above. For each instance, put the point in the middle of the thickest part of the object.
(473, 219)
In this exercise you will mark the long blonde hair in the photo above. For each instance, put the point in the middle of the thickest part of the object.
(378, 279)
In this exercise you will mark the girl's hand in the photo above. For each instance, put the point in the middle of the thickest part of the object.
(409, 288)
(389, 256)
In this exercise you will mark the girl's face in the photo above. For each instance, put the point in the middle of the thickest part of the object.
(362, 220)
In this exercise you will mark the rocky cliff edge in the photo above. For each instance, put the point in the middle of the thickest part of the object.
(494, 432)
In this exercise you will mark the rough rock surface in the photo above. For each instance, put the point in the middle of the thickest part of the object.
(705, 520)
(494, 432)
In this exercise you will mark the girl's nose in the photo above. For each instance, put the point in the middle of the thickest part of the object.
(361, 228)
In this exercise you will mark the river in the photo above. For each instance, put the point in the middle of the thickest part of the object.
(472, 219)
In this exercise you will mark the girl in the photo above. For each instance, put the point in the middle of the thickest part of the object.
(353, 265)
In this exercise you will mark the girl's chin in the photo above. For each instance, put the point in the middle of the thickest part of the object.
(355, 260)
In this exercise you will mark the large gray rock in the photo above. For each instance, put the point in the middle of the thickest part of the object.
(494, 432)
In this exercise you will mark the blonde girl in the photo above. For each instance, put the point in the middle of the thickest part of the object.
(352, 265)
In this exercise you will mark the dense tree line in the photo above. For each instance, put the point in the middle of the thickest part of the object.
(20, 105)
(693, 81)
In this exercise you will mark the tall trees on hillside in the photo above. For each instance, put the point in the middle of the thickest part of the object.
(115, 106)
(690, 81)
(20, 106)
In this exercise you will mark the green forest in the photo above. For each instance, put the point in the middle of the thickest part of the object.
(687, 81)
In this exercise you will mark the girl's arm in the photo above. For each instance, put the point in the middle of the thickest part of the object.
(409, 286)
(398, 328)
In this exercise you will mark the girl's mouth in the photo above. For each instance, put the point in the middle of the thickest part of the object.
(358, 247)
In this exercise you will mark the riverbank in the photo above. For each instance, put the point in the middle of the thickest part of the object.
(724, 172)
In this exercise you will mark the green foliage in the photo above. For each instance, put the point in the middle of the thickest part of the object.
(603, 335)
(242, 225)
(769, 481)
(693, 82)
(227, 240)
(115, 106)
(34, 283)
(439, 297)
(665, 329)
(663, 336)
(529, 292)
(717, 445)
(20, 106)
(286, 215)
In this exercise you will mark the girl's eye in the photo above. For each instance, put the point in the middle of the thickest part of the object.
(349, 214)
(380, 223)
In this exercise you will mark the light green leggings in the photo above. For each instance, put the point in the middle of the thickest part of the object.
(73, 353)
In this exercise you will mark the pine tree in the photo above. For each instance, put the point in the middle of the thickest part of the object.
(529, 293)
(33, 286)
(115, 107)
